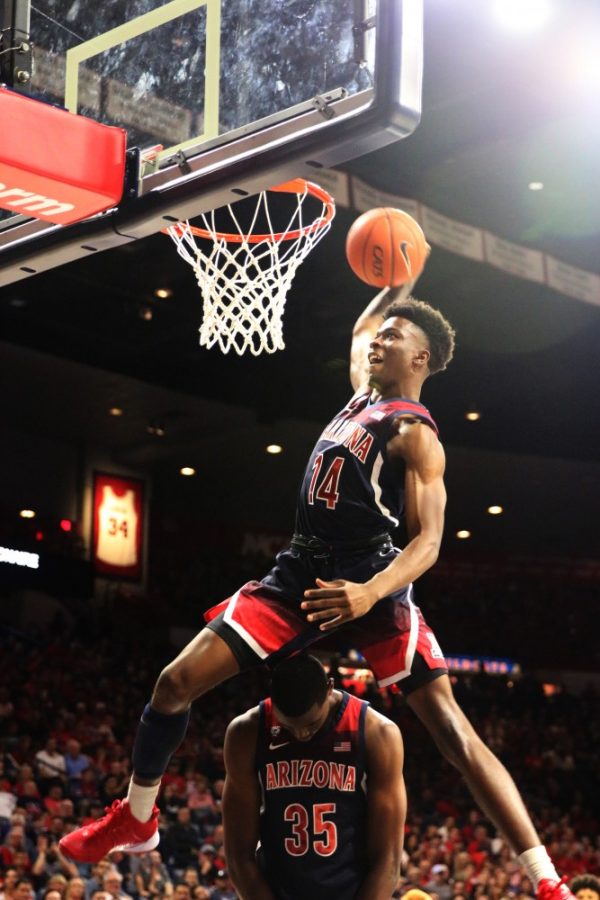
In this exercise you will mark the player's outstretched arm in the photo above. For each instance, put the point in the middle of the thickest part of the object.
(365, 329)
(386, 807)
(241, 805)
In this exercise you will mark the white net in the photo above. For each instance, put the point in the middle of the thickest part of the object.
(244, 278)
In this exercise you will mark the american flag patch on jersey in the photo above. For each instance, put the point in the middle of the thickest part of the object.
(342, 747)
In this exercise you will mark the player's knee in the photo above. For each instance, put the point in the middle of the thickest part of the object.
(174, 690)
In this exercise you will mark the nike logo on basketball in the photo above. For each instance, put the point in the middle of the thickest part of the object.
(404, 252)
(277, 746)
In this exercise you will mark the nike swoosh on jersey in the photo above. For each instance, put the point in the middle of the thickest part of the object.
(277, 746)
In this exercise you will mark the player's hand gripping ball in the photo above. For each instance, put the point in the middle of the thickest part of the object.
(386, 248)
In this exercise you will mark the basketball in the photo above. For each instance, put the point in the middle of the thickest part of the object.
(386, 248)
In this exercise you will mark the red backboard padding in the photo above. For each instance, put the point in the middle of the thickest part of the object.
(55, 165)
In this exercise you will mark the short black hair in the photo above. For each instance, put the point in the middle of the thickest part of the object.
(297, 684)
(582, 882)
(439, 331)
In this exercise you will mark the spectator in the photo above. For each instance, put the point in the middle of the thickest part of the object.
(50, 861)
(415, 894)
(113, 885)
(54, 796)
(7, 891)
(15, 843)
(75, 889)
(190, 877)
(174, 777)
(96, 882)
(206, 864)
(56, 828)
(24, 776)
(50, 764)
(200, 893)
(76, 763)
(182, 891)
(88, 785)
(200, 799)
(181, 841)
(169, 801)
(586, 887)
(439, 882)
(150, 875)
(223, 887)
(23, 890)
(57, 882)
(110, 790)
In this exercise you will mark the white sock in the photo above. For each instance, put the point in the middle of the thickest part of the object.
(141, 800)
(538, 865)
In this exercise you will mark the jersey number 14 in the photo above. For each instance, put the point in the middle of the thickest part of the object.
(327, 490)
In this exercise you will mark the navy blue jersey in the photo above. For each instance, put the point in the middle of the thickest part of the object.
(313, 816)
(350, 488)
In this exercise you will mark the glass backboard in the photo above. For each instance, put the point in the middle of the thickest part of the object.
(216, 91)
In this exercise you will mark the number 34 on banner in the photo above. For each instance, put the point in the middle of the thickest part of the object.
(118, 526)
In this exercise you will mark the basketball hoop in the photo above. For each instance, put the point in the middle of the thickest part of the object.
(245, 277)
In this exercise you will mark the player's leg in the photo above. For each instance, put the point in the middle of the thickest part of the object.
(488, 780)
(254, 626)
(133, 824)
(402, 648)
(203, 664)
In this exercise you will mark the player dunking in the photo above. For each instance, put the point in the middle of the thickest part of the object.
(379, 458)
(315, 775)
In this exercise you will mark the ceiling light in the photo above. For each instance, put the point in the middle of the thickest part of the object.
(156, 429)
(495, 510)
(274, 449)
(163, 293)
(463, 534)
(187, 471)
(146, 313)
(115, 411)
(473, 415)
(523, 15)
(27, 513)
(536, 185)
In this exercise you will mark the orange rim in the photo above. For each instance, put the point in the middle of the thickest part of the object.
(294, 186)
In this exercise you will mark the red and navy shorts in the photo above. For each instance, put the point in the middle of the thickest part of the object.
(263, 622)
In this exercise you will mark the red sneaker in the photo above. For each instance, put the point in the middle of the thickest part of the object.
(549, 889)
(117, 830)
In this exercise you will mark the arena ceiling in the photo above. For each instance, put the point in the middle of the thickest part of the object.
(502, 108)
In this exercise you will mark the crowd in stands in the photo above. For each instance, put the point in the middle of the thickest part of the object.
(69, 706)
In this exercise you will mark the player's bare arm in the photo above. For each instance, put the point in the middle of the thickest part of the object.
(386, 807)
(417, 445)
(241, 809)
(365, 329)
(425, 502)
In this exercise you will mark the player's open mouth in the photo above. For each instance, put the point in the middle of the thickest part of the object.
(374, 359)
